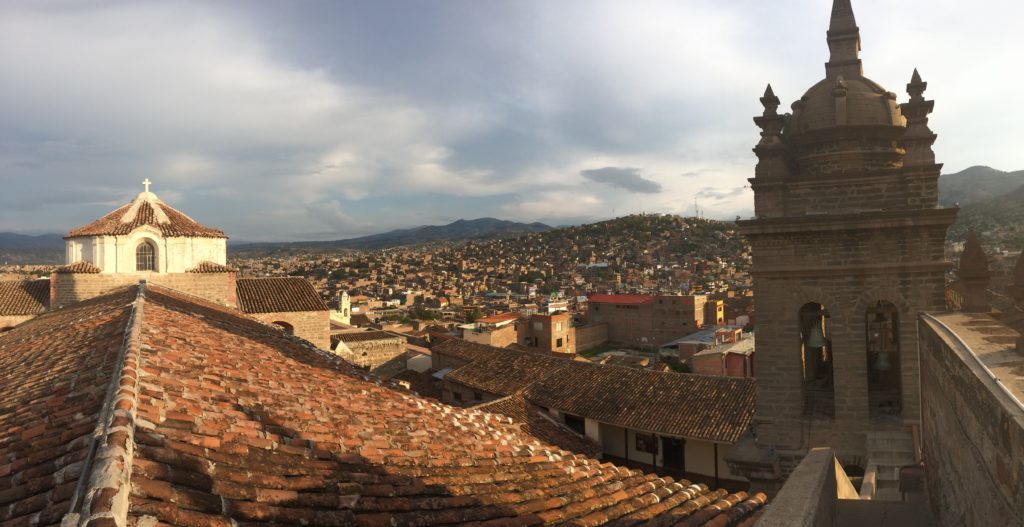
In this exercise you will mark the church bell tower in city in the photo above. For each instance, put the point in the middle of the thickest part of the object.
(847, 245)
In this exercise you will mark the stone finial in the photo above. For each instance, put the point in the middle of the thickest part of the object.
(1018, 271)
(843, 42)
(770, 102)
(973, 261)
(1017, 289)
(919, 138)
(975, 276)
(916, 87)
(842, 16)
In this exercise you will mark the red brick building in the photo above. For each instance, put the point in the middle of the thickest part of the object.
(646, 320)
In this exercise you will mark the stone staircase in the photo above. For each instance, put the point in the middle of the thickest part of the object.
(887, 452)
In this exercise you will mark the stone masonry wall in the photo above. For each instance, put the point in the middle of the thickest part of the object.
(67, 289)
(314, 326)
(973, 439)
(373, 353)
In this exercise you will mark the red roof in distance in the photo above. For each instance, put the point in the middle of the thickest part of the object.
(498, 319)
(619, 299)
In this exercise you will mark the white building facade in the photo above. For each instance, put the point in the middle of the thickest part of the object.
(143, 237)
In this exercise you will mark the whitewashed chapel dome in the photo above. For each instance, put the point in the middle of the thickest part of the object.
(146, 236)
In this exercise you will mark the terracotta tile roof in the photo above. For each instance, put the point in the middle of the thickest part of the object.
(692, 406)
(81, 267)
(207, 266)
(423, 383)
(146, 210)
(278, 295)
(502, 371)
(528, 417)
(24, 297)
(462, 349)
(499, 318)
(294, 436)
(619, 299)
(56, 376)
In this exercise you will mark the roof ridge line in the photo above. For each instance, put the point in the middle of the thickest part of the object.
(105, 483)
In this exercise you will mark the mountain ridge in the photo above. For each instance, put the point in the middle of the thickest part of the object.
(461, 229)
(977, 183)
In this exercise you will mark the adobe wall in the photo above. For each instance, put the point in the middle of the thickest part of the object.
(67, 289)
(591, 336)
(500, 337)
(314, 326)
(972, 434)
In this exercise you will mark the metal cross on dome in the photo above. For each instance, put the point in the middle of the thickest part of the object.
(146, 183)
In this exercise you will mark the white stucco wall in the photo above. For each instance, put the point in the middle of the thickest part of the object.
(700, 455)
(116, 254)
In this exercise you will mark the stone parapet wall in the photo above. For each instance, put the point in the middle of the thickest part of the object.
(973, 431)
(314, 326)
(809, 497)
(67, 289)
(372, 354)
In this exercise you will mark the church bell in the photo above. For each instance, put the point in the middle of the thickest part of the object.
(815, 338)
(882, 362)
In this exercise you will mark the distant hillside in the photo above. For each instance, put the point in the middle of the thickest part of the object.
(977, 184)
(999, 221)
(25, 249)
(10, 240)
(458, 230)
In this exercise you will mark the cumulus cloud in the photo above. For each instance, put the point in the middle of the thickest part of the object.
(261, 117)
(628, 179)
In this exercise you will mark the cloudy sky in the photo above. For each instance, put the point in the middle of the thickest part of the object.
(329, 119)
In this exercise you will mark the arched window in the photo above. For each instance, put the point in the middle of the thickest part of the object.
(284, 326)
(882, 326)
(145, 257)
(816, 354)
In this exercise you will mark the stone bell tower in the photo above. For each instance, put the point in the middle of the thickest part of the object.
(848, 249)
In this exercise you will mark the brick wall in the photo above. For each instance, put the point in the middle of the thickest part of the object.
(650, 324)
(591, 336)
(67, 289)
(972, 433)
(314, 326)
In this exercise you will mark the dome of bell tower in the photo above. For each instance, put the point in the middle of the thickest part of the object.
(845, 96)
(845, 120)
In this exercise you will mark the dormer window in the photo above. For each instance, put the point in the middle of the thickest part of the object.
(145, 257)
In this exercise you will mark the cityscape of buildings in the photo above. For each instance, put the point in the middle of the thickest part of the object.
(820, 364)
